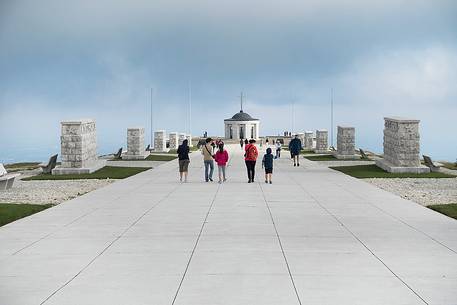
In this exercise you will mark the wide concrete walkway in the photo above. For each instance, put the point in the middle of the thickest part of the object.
(315, 236)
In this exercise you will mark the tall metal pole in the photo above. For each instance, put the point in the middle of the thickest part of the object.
(331, 115)
(190, 107)
(152, 132)
(293, 116)
(241, 96)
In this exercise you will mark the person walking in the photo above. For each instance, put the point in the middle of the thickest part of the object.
(241, 143)
(278, 149)
(213, 146)
(221, 159)
(183, 159)
(267, 163)
(295, 148)
(250, 157)
(246, 142)
(208, 159)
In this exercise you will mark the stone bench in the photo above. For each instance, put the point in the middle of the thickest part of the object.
(48, 167)
(429, 163)
(6, 179)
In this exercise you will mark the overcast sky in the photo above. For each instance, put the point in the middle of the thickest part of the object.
(98, 59)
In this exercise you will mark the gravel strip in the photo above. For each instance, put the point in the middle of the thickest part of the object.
(425, 191)
(50, 191)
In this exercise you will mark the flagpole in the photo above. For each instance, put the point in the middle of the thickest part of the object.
(151, 127)
(190, 107)
(331, 116)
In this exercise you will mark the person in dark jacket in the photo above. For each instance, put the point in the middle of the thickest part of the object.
(241, 143)
(183, 159)
(267, 163)
(295, 147)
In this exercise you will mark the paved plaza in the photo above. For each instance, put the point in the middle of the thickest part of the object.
(315, 236)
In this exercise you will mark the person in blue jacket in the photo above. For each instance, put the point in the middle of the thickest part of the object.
(295, 148)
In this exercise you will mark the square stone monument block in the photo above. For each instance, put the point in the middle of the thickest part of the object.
(346, 144)
(401, 146)
(321, 141)
(78, 145)
(135, 144)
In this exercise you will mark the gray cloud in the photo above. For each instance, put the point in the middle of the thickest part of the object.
(99, 58)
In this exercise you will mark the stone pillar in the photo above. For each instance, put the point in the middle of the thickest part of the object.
(321, 141)
(308, 142)
(181, 138)
(78, 144)
(160, 141)
(345, 143)
(189, 140)
(174, 142)
(401, 146)
(235, 132)
(301, 136)
(135, 144)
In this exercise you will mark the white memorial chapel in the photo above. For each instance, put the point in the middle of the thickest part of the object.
(241, 126)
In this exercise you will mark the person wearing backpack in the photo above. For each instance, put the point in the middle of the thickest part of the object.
(221, 159)
(183, 159)
(250, 157)
(267, 163)
(207, 152)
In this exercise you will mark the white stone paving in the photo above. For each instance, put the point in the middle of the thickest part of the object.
(315, 236)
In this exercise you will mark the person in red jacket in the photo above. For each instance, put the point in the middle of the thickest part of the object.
(221, 159)
(250, 157)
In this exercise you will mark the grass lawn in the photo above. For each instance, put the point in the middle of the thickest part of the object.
(322, 158)
(21, 166)
(446, 209)
(10, 212)
(106, 172)
(160, 158)
(372, 171)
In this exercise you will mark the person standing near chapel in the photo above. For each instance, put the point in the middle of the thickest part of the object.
(241, 143)
(250, 158)
(183, 159)
(207, 152)
(295, 148)
(278, 149)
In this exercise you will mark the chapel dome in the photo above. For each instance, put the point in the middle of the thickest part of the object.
(242, 116)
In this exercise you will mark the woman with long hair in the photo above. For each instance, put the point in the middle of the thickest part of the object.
(221, 159)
